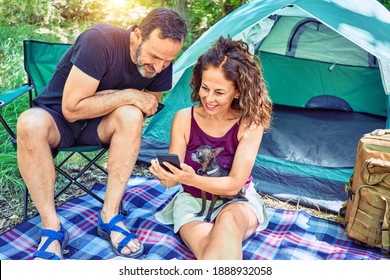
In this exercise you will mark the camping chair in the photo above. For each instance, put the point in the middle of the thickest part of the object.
(40, 61)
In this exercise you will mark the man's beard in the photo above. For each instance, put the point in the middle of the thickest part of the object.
(141, 67)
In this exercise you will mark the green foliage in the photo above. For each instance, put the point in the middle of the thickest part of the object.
(15, 12)
(385, 3)
(205, 13)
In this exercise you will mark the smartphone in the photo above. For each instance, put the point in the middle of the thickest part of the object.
(171, 158)
(160, 106)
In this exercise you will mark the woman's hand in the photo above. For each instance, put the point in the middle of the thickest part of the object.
(156, 169)
(170, 179)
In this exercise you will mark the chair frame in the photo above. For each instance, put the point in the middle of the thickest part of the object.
(11, 95)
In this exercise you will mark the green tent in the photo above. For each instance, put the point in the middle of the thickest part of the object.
(327, 67)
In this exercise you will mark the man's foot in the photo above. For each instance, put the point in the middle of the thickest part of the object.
(133, 246)
(122, 242)
(52, 244)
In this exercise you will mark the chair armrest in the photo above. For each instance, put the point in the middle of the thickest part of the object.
(9, 96)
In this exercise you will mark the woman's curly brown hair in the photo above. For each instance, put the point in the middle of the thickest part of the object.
(244, 70)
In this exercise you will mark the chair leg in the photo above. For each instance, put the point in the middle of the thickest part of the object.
(25, 204)
(122, 210)
(95, 161)
(73, 180)
(7, 128)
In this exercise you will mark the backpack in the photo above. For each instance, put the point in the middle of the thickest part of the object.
(367, 208)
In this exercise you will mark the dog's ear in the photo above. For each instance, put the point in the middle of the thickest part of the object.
(217, 151)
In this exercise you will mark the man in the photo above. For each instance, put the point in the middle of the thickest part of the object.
(103, 87)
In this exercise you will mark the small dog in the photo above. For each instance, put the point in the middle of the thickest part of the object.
(206, 156)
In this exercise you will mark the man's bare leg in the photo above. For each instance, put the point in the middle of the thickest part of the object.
(122, 129)
(36, 134)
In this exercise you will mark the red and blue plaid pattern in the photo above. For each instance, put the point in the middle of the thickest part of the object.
(290, 235)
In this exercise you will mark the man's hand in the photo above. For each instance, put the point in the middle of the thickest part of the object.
(146, 102)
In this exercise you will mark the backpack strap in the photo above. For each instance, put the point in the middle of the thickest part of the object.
(385, 228)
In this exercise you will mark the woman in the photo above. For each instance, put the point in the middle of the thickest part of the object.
(233, 111)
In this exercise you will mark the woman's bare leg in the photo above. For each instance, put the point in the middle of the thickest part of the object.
(222, 240)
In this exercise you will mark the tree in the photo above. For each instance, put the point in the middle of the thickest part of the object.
(181, 6)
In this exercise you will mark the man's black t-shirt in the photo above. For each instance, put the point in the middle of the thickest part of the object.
(103, 52)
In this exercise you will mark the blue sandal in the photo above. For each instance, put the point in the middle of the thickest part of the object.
(62, 236)
(104, 231)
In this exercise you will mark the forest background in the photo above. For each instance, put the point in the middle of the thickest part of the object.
(62, 21)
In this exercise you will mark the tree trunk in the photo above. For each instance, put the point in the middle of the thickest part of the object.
(181, 6)
(229, 6)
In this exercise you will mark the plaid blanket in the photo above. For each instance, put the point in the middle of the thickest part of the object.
(290, 235)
